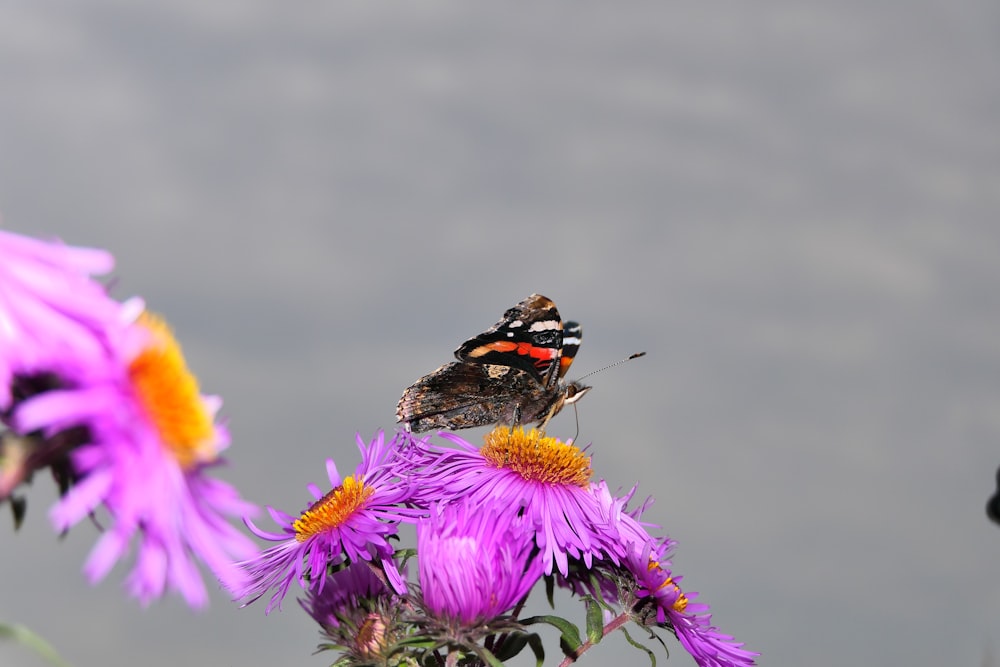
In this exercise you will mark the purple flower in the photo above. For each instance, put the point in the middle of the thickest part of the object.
(346, 592)
(359, 615)
(350, 523)
(644, 575)
(104, 385)
(693, 624)
(476, 563)
(153, 437)
(646, 559)
(546, 480)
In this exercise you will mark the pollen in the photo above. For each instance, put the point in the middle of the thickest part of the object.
(333, 509)
(681, 603)
(169, 395)
(536, 457)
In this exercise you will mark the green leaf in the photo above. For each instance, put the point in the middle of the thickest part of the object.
(595, 620)
(595, 586)
(417, 641)
(570, 633)
(488, 657)
(512, 644)
(550, 587)
(536, 647)
(23, 635)
(641, 647)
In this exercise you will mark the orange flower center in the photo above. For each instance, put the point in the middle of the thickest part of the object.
(537, 458)
(681, 603)
(333, 509)
(169, 395)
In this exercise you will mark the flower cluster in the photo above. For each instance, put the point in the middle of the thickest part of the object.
(97, 391)
(490, 522)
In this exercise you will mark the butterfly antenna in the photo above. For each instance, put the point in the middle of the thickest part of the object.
(576, 416)
(630, 357)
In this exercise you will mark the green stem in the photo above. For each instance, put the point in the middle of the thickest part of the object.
(23, 635)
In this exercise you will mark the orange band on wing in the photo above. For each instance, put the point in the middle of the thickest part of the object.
(524, 349)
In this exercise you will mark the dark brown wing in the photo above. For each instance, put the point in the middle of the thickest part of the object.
(461, 395)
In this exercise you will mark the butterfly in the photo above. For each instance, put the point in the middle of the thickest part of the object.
(512, 374)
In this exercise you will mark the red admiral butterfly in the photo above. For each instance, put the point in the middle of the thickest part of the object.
(512, 373)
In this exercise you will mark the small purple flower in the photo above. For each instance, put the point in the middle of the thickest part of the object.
(646, 558)
(693, 624)
(350, 523)
(476, 563)
(549, 480)
(346, 592)
(644, 575)
(359, 615)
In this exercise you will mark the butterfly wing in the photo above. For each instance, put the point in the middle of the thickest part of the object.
(460, 395)
(571, 339)
(528, 337)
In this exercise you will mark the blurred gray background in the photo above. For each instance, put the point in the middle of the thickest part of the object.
(792, 206)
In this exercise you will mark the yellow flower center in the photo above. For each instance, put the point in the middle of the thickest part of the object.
(332, 509)
(537, 458)
(169, 394)
(681, 603)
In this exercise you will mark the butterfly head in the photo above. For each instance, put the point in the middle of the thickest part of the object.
(575, 391)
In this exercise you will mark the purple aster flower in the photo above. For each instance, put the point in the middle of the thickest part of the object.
(361, 616)
(152, 439)
(643, 586)
(476, 563)
(646, 560)
(692, 623)
(350, 523)
(549, 480)
(348, 591)
(104, 386)
(358, 614)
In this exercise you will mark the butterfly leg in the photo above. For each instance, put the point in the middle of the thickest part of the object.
(515, 418)
(548, 415)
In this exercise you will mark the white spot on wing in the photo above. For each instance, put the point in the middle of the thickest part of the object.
(545, 325)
